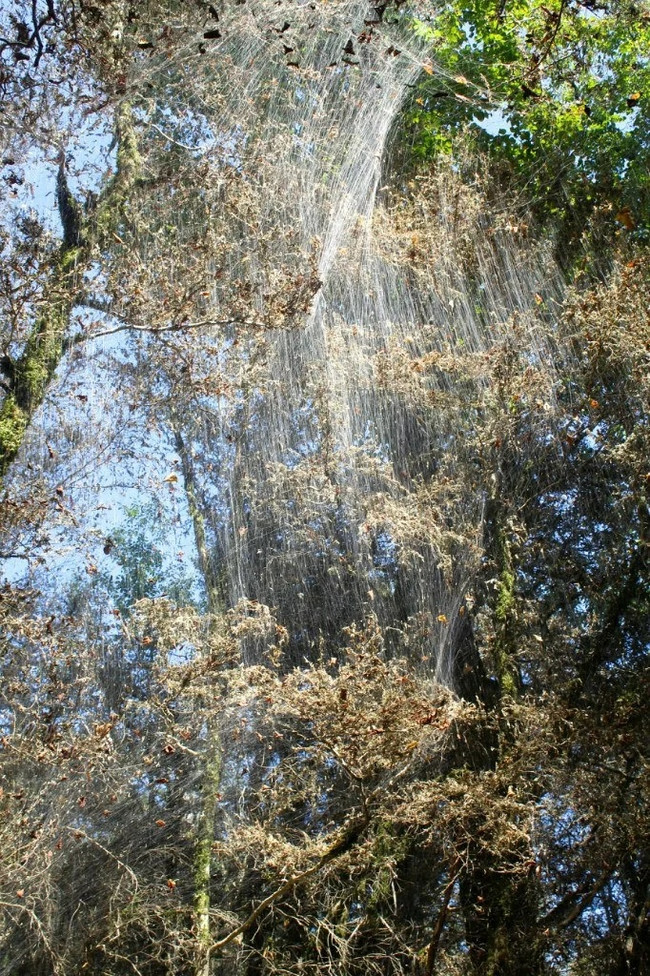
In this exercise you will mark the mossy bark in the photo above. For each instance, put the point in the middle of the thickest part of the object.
(499, 900)
(207, 563)
(213, 754)
(203, 851)
(34, 369)
(111, 205)
(505, 614)
(498, 910)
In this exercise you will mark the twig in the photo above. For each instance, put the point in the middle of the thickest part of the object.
(117, 955)
(38, 925)
(91, 840)
(551, 40)
(173, 327)
(174, 142)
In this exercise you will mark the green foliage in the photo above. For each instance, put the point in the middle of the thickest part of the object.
(557, 92)
(13, 424)
(138, 549)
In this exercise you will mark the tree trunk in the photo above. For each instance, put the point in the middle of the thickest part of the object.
(498, 912)
(32, 372)
(213, 753)
(203, 851)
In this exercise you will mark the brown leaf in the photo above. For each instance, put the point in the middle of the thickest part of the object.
(625, 217)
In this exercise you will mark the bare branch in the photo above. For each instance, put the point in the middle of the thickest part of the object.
(172, 327)
(574, 904)
(76, 832)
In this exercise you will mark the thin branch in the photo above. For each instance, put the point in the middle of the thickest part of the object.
(358, 776)
(91, 840)
(117, 955)
(586, 900)
(126, 326)
(557, 917)
(442, 918)
(37, 33)
(38, 25)
(38, 924)
(551, 40)
(174, 142)
(172, 327)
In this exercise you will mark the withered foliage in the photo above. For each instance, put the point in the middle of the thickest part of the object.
(395, 723)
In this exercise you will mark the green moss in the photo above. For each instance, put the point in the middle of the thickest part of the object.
(506, 596)
(13, 424)
(41, 356)
(508, 954)
(508, 683)
(129, 160)
(389, 850)
(129, 166)
(203, 850)
(69, 259)
(504, 618)
(34, 374)
(202, 864)
(44, 348)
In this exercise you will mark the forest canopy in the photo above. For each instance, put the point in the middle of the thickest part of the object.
(324, 502)
(555, 90)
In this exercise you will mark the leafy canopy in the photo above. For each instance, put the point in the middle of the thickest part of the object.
(556, 89)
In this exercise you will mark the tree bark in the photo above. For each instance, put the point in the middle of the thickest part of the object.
(203, 851)
(34, 370)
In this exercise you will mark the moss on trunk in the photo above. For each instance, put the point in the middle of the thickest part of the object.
(505, 616)
(498, 911)
(203, 852)
(34, 369)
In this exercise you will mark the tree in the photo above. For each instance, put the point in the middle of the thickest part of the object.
(397, 724)
(554, 94)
